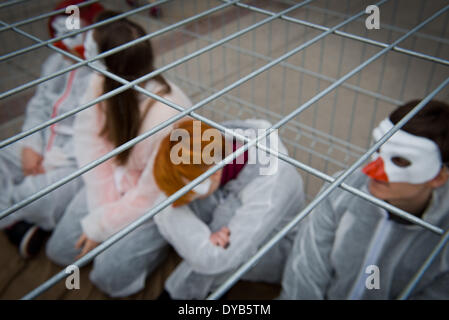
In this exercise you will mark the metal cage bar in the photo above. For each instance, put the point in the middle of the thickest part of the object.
(297, 68)
(43, 16)
(136, 140)
(11, 3)
(346, 34)
(387, 26)
(81, 30)
(103, 55)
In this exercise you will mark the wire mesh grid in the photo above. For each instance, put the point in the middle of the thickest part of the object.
(309, 67)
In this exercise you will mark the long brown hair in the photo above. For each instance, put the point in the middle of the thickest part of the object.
(123, 118)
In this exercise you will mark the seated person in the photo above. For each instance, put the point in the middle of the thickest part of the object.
(46, 156)
(121, 189)
(223, 221)
(346, 240)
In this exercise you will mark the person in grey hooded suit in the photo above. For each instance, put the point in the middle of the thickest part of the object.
(46, 156)
(348, 248)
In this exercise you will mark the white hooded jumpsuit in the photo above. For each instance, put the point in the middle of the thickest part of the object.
(55, 143)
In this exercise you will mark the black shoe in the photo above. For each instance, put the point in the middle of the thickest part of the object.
(27, 237)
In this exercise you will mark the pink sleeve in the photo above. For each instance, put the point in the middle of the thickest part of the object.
(89, 146)
(115, 212)
(106, 220)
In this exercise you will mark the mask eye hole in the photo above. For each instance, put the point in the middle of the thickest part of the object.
(401, 162)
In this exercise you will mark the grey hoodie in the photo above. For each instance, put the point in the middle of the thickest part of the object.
(345, 235)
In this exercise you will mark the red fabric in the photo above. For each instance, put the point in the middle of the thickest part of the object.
(232, 170)
(78, 49)
(60, 45)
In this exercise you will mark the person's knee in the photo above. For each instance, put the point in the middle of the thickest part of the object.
(114, 280)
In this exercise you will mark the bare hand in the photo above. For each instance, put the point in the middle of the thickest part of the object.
(85, 244)
(31, 162)
(221, 237)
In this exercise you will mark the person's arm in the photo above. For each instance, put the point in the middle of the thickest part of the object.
(190, 238)
(309, 270)
(263, 207)
(100, 185)
(112, 211)
(108, 218)
(90, 146)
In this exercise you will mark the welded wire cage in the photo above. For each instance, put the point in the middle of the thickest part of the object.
(312, 67)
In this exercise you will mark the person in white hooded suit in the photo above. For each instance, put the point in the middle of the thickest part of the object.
(46, 156)
(349, 248)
